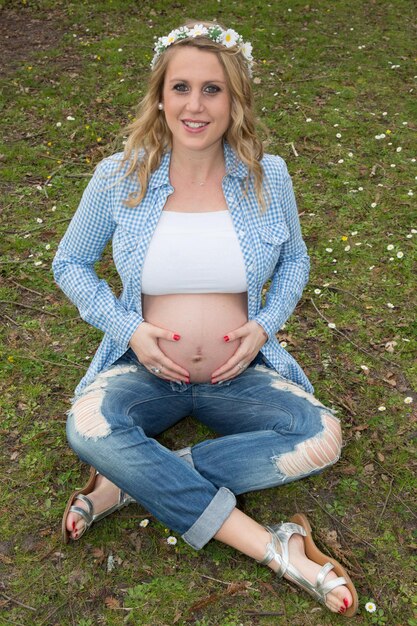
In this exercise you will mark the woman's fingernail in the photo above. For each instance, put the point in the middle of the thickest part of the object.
(73, 525)
(176, 337)
(226, 338)
(188, 380)
(346, 602)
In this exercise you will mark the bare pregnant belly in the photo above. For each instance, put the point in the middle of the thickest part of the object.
(202, 320)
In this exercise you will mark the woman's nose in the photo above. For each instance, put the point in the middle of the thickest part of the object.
(194, 102)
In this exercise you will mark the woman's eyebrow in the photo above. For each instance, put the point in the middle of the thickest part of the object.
(206, 82)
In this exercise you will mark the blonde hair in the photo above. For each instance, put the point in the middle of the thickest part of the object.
(149, 136)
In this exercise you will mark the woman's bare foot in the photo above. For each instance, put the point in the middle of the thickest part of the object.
(105, 494)
(337, 600)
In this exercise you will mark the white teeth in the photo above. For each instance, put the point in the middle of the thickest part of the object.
(195, 124)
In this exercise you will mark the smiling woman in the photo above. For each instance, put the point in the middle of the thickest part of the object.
(200, 220)
(196, 99)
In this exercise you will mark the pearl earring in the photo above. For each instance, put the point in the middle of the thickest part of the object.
(160, 106)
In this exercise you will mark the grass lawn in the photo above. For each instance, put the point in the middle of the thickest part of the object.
(335, 84)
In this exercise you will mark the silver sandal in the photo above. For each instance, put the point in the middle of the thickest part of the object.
(280, 535)
(88, 516)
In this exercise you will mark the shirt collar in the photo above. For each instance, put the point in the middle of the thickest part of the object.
(235, 168)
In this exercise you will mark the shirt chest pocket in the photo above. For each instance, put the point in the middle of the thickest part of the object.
(271, 238)
(125, 244)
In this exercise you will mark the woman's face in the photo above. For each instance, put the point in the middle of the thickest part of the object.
(196, 99)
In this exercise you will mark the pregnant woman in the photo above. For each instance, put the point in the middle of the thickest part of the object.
(200, 219)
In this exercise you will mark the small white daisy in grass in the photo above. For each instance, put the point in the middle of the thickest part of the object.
(317, 291)
(329, 249)
(37, 263)
(413, 231)
(340, 161)
(382, 408)
(410, 193)
(399, 149)
(390, 247)
(331, 325)
(338, 135)
(172, 541)
(48, 246)
(354, 232)
(400, 255)
(308, 119)
(347, 248)
(283, 344)
(370, 607)
(371, 267)
(390, 305)
(365, 368)
(144, 523)
(59, 124)
(373, 205)
(408, 400)
(39, 220)
(70, 118)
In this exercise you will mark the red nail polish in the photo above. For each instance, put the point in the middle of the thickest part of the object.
(188, 380)
(176, 337)
(73, 525)
(226, 338)
(346, 602)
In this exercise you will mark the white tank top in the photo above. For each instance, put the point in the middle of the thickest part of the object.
(194, 253)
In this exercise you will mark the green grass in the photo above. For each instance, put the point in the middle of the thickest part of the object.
(324, 69)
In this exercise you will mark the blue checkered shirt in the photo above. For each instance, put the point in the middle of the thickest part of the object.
(271, 244)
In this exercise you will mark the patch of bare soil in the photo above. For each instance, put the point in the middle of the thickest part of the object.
(22, 33)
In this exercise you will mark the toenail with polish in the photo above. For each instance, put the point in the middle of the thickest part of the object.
(73, 525)
(346, 602)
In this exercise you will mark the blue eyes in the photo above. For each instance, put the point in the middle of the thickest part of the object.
(209, 89)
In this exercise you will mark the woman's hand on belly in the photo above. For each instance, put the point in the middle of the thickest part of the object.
(144, 343)
(252, 337)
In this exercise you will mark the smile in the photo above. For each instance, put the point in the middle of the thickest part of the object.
(190, 124)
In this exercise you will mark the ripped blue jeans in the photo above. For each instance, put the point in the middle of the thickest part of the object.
(272, 432)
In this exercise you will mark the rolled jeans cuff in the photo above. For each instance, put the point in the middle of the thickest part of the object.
(211, 520)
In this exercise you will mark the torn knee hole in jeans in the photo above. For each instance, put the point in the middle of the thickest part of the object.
(89, 420)
(315, 453)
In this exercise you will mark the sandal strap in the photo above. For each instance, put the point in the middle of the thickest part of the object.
(87, 502)
(281, 533)
(86, 515)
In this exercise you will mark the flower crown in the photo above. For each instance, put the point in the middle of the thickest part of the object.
(227, 38)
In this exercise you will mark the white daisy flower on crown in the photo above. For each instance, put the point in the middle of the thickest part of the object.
(170, 38)
(230, 38)
(198, 30)
(247, 50)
